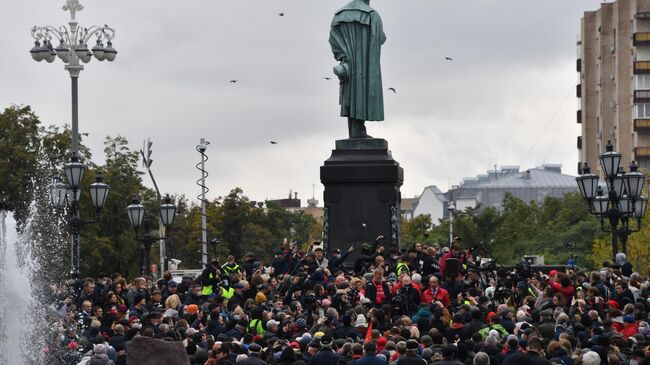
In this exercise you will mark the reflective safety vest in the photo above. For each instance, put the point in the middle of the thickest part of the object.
(229, 270)
(207, 289)
(227, 294)
(256, 324)
(401, 267)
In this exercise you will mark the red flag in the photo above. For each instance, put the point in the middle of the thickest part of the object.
(368, 337)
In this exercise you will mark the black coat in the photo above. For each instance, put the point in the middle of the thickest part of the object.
(325, 357)
(253, 360)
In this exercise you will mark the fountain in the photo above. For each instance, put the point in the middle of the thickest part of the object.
(17, 343)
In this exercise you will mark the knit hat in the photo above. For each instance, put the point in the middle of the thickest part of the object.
(629, 319)
(272, 323)
(192, 309)
(100, 349)
(490, 315)
(170, 313)
(301, 323)
(255, 348)
(260, 298)
(137, 299)
(613, 303)
(412, 345)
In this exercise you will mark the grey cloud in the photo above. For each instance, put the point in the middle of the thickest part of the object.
(170, 83)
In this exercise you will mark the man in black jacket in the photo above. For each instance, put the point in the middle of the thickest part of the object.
(368, 254)
(325, 356)
(338, 258)
(534, 355)
(377, 290)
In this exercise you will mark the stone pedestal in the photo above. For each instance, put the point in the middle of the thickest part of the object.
(362, 182)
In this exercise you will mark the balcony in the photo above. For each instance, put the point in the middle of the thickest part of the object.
(641, 39)
(579, 116)
(579, 65)
(579, 87)
(641, 96)
(641, 67)
(641, 153)
(642, 125)
(579, 142)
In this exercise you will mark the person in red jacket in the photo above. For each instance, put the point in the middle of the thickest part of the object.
(453, 253)
(435, 293)
(630, 327)
(564, 286)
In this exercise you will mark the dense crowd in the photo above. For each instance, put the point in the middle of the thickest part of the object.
(422, 306)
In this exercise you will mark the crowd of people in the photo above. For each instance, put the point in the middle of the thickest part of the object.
(426, 305)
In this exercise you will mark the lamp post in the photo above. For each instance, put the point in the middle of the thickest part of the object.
(622, 204)
(451, 208)
(73, 50)
(62, 195)
(136, 211)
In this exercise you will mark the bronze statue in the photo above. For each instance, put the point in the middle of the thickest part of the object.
(356, 37)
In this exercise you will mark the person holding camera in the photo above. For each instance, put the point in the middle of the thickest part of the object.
(407, 298)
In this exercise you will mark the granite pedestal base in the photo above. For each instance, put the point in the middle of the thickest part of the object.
(362, 182)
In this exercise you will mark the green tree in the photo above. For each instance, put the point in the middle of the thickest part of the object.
(19, 146)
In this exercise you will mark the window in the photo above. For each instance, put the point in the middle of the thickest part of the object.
(642, 110)
(642, 82)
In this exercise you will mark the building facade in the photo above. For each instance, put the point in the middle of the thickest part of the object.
(614, 83)
(433, 202)
(490, 189)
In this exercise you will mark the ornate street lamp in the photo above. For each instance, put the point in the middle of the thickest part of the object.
(58, 193)
(136, 214)
(72, 50)
(623, 203)
(167, 212)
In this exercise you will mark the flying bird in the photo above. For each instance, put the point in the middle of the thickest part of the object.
(281, 14)
(233, 81)
(327, 78)
(274, 142)
(449, 58)
(392, 89)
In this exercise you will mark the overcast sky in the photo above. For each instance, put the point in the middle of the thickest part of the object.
(508, 98)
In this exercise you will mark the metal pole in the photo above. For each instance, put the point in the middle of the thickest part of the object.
(614, 242)
(451, 227)
(142, 264)
(75, 225)
(75, 116)
(204, 222)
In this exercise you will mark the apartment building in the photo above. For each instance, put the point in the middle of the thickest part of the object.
(614, 83)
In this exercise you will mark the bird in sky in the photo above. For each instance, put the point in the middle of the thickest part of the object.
(392, 89)
(281, 14)
(233, 81)
(449, 58)
(274, 142)
(327, 78)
